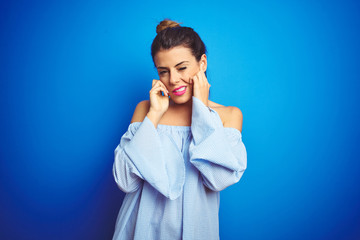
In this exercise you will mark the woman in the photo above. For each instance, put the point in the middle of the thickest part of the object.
(180, 149)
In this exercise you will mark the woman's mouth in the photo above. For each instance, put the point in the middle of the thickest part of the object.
(180, 91)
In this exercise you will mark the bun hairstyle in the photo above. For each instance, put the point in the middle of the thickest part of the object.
(166, 24)
(170, 34)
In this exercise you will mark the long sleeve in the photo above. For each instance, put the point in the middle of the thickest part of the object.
(218, 153)
(143, 156)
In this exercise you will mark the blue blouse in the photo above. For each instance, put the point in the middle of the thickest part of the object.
(172, 176)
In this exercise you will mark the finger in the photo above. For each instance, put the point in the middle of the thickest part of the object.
(159, 83)
(165, 91)
(163, 85)
(202, 78)
(190, 80)
(199, 78)
(193, 79)
(158, 89)
(154, 81)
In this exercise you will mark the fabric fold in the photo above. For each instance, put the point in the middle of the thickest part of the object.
(219, 155)
(140, 156)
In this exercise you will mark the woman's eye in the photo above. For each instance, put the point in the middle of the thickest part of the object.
(183, 68)
(162, 72)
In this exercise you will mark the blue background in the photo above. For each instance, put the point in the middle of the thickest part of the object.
(73, 72)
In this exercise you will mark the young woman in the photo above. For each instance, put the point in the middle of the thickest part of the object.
(180, 148)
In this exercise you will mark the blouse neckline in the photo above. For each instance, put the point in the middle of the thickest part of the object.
(184, 128)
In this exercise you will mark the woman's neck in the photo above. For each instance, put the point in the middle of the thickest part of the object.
(183, 106)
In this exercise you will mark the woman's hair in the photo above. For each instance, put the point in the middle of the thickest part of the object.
(170, 34)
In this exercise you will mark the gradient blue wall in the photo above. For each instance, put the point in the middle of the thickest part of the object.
(73, 72)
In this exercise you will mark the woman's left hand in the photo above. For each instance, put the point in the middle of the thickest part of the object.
(201, 87)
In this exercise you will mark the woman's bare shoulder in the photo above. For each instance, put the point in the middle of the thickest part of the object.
(142, 108)
(230, 116)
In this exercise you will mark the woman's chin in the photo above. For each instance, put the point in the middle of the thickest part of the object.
(181, 99)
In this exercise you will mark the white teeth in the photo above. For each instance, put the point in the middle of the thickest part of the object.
(180, 89)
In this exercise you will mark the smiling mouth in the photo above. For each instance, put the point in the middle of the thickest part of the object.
(180, 91)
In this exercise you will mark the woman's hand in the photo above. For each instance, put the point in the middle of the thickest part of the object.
(201, 87)
(158, 103)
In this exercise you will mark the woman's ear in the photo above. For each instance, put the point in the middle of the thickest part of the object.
(203, 63)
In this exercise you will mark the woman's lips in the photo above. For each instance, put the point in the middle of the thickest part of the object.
(180, 91)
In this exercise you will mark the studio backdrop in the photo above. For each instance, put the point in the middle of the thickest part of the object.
(72, 72)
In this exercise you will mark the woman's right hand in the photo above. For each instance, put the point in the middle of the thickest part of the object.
(158, 103)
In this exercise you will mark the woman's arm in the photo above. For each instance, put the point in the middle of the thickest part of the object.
(218, 153)
(143, 156)
(125, 173)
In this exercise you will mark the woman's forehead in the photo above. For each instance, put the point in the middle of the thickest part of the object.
(173, 56)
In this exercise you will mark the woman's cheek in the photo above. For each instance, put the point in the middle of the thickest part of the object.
(164, 82)
(188, 77)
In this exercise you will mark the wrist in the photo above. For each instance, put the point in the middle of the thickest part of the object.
(154, 116)
(205, 101)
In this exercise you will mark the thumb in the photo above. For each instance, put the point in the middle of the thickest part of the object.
(154, 82)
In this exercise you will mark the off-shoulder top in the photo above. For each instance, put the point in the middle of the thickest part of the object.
(172, 176)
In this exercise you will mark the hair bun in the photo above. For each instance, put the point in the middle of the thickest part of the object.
(166, 23)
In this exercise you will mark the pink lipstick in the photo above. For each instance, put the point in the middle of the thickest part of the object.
(180, 91)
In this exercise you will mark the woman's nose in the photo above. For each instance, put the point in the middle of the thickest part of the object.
(174, 78)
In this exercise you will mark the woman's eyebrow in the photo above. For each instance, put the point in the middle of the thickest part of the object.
(175, 65)
(161, 67)
(180, 63)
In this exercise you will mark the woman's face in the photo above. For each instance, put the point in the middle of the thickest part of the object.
(175, 67)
